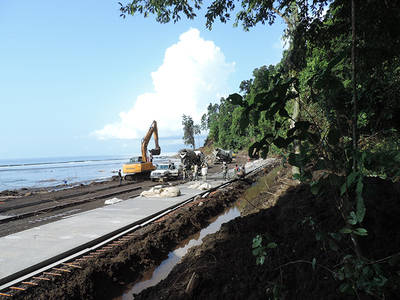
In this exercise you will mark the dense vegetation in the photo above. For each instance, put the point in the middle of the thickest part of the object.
(331, 107)
(223, 120)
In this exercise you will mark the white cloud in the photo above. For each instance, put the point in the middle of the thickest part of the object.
(193, 74)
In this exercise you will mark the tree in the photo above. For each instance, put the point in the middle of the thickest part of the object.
(189, 130)
(248, 12)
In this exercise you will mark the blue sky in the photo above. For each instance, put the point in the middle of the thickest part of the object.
(76, 79)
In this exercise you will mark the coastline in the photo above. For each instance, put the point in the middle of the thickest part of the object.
(47, 175)
(28, 191)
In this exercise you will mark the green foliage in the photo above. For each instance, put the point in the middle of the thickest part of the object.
(248, 13)
(356, 274)
(324, 132)
(260, 250)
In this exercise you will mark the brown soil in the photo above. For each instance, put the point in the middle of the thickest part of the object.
(223, 267)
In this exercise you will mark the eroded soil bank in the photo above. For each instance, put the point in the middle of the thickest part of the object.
(223, 267)
(106, 276)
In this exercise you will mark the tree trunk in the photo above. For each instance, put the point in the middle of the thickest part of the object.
(295, 117)
(353, 79)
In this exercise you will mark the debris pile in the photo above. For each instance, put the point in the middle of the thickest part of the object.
(161, 192)
(200, 186)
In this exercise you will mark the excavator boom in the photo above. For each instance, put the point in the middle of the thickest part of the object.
(157, 150)
(142, 166)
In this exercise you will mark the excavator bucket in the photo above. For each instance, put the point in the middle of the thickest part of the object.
(155, 151)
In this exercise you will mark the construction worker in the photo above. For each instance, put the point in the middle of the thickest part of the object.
(224, 169)
(204, 171)
(120, 177)
(195, 172)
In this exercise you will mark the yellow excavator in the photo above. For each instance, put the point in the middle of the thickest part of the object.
(141, 166)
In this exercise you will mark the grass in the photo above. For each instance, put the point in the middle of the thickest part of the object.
(263, 185)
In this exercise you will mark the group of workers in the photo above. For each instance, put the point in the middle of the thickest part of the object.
(204, 171)
(240, 171)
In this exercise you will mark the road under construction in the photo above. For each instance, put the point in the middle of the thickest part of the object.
(40, 253)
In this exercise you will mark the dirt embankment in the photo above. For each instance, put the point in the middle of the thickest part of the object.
(223, 267)
(106, 276)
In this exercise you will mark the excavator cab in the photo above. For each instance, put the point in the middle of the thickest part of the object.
(135, 159)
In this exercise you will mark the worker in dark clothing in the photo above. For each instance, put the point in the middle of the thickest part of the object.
(120, 177)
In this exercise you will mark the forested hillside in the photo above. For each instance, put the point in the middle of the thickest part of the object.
(330, 108)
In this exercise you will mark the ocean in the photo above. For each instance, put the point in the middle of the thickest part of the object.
(52, 172)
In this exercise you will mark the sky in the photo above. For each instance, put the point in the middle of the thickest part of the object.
(76, 79)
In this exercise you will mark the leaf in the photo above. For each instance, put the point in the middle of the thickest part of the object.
(360, 231)
(313, 263)
(260, 260)
(352, 219)
(346, 230)
(272, 245)
(349, 181)
(351, 178)
(360, 185)
(236, 99)
(360, 209)
(343, 188)
(318, 236)
(257, 241)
